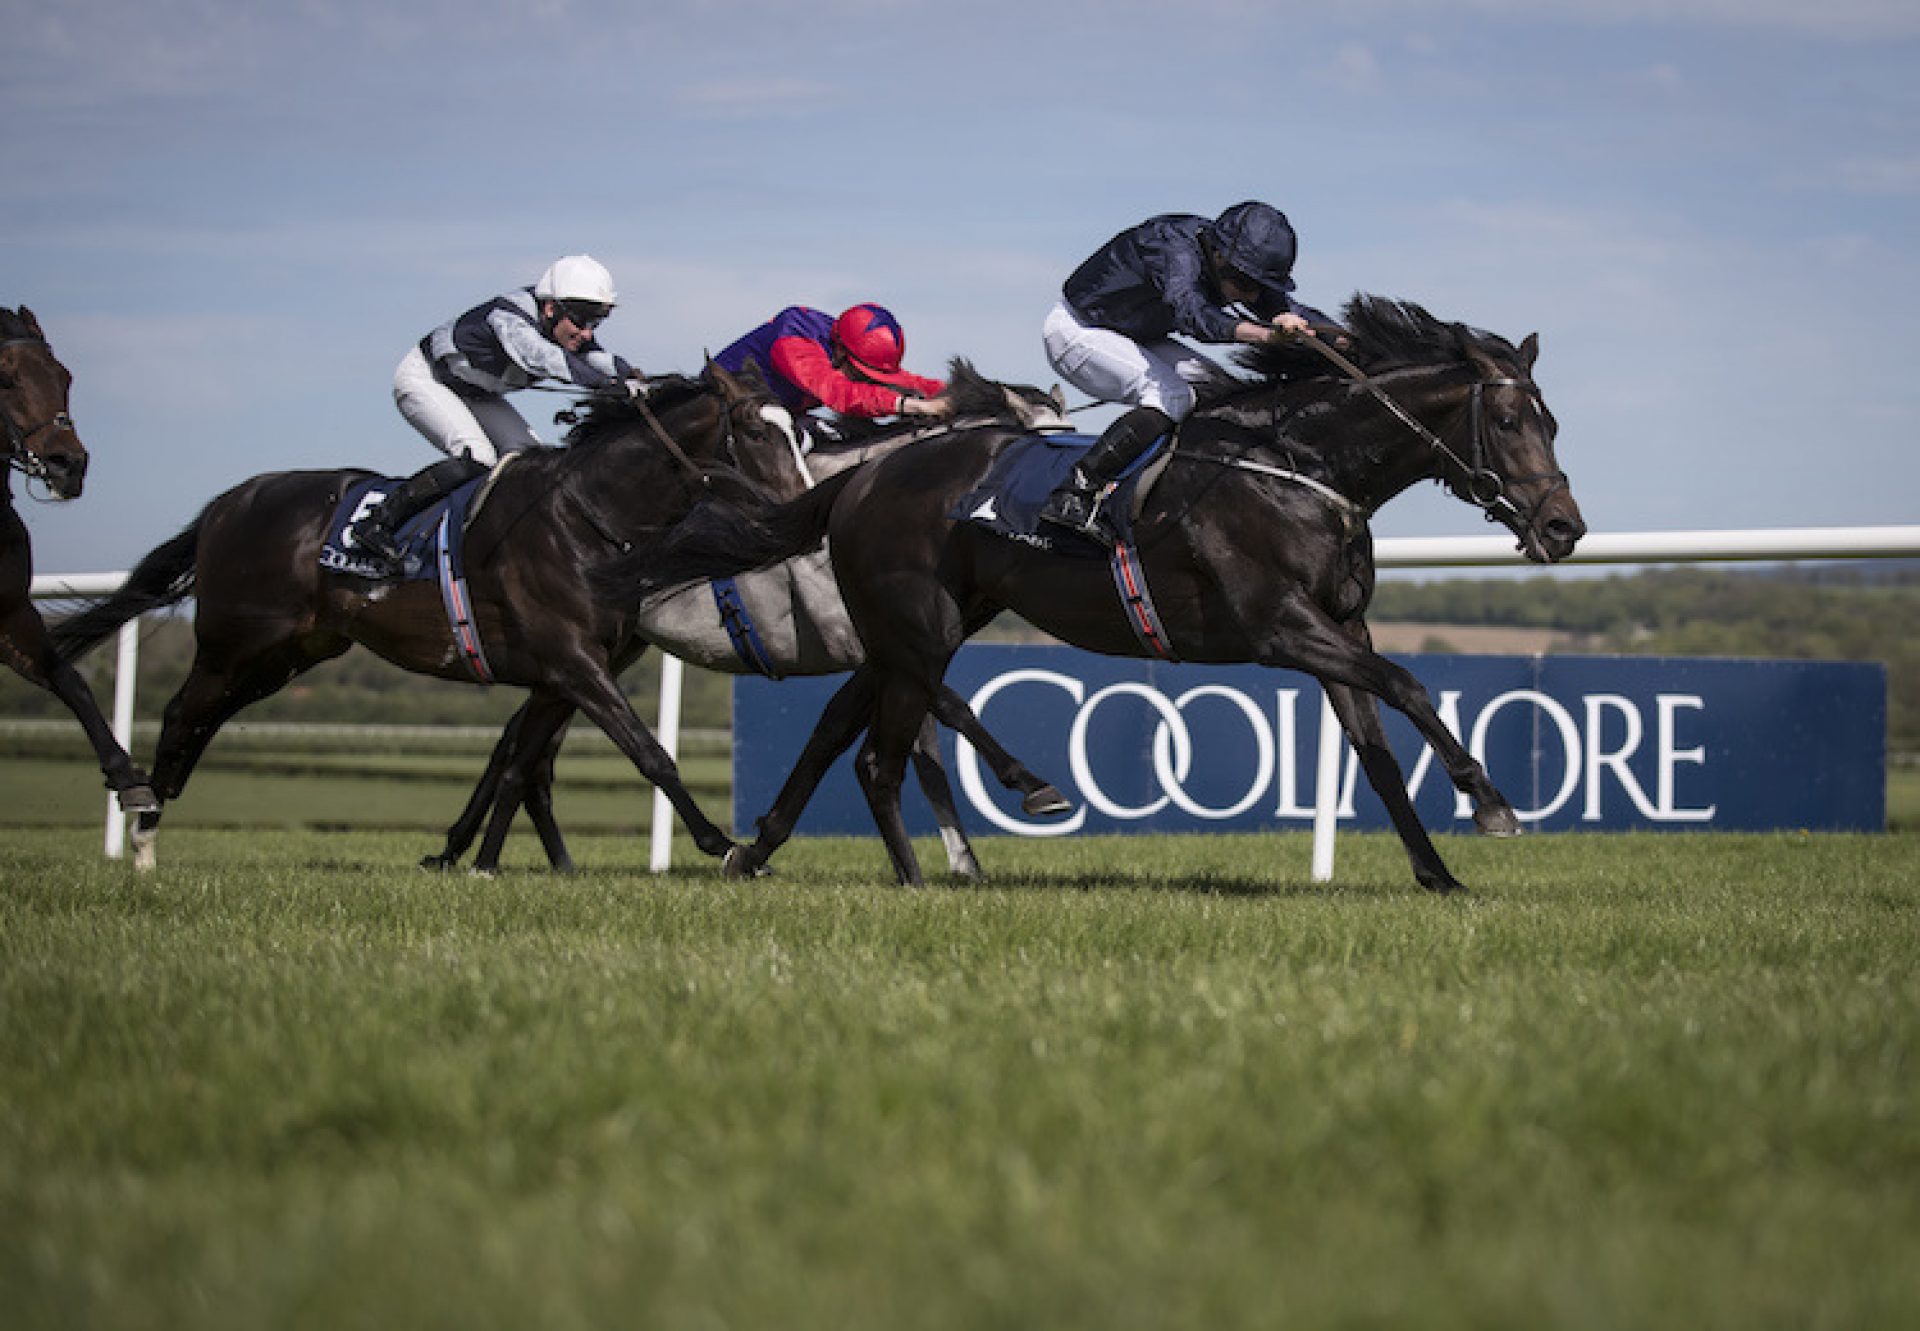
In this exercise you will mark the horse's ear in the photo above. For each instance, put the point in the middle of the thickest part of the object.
(1059, 399)
(1529, 352)
(26, 316)
(728, 385)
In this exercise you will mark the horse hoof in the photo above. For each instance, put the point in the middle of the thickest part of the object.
(138, 799)
(1497, 821)
(1045, 802)
(438, 863)
(740, 863)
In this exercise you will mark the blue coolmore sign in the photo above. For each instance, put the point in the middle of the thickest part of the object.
(1574, 742)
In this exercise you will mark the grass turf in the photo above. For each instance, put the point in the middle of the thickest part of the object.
(1633, 1080)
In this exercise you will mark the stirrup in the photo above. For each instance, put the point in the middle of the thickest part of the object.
(1075, 509)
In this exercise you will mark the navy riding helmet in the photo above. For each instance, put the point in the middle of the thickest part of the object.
(1256, 239)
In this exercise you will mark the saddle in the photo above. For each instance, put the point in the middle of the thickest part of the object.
(1008, 502)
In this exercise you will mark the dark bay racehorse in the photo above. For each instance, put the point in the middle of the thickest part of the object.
(267, 611)
(41, 443)
(1255, 542)
(799, 626)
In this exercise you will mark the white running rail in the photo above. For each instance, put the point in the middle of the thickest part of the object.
(1671, 547)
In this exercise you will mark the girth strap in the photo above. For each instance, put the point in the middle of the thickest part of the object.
(1130, 580)
(740, 630)
(459, 602)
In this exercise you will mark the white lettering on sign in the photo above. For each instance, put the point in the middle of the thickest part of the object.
(1592, 753)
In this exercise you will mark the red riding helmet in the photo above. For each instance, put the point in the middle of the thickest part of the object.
(872, 337)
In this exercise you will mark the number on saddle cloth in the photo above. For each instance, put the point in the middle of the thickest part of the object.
(417, 535)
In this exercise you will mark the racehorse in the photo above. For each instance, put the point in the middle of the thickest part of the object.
(1255, 542)
(42, 444)
(268, 611)
(782, 621)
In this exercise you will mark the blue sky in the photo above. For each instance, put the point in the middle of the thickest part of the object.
(233, 218)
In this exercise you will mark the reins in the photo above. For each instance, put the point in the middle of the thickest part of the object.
(1485, 488)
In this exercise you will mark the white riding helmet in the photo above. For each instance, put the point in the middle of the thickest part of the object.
(577, 277)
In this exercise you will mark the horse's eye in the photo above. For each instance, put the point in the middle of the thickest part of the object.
(1509, 421)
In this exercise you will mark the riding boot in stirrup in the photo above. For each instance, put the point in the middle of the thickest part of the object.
(377, 534)
(1076, 503)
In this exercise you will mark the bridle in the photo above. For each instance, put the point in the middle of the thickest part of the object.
(20, 455)
(1476, 482)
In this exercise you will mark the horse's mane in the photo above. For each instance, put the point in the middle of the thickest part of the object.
(1383, 334)
(607, 415)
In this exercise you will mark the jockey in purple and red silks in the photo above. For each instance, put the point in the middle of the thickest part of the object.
(850, 365)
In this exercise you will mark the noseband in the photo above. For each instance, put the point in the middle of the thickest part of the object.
(20, 455)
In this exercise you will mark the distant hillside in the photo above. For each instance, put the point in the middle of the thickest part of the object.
(1828, 612)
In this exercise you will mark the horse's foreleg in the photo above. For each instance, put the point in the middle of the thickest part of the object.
(539, 796)
(25, 645)
(841, 721)
(1492, 814)
(939, 793)
(1343, 654)
(595, 692)
(467, 826)
(1360, 717)
(1041, 799)
(528, 781)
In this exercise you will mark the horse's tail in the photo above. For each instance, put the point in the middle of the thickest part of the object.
(165, 577)
(718, 539)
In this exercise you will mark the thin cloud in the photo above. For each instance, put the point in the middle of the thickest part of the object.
(751, 98)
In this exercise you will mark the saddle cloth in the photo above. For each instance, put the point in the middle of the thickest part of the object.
(417, 536)
(1009, 500)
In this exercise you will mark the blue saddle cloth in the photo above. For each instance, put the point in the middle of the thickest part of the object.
(1009, 500)
(418, 536)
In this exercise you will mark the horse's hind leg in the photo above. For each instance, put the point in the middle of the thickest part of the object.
(467, 826)
(939, 793)
(532, 777)
(209, 698)
(25, 646)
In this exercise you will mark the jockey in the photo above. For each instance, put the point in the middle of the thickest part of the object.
(1228, 279)
(850, 364)
(452, 387)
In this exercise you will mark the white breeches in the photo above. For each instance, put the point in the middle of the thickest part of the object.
(1112, 367)
(483, 429)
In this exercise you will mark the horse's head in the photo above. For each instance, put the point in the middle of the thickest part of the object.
(1502, 458)
(39, 436)
(1032, 409)
(764, 439)
(1461, 407)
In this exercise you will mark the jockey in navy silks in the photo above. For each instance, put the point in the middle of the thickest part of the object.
(1226, 279)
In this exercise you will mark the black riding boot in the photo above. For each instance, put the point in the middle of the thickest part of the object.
(376, 533)
(1075, 502)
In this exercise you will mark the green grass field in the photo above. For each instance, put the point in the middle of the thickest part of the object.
(290, 1081)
